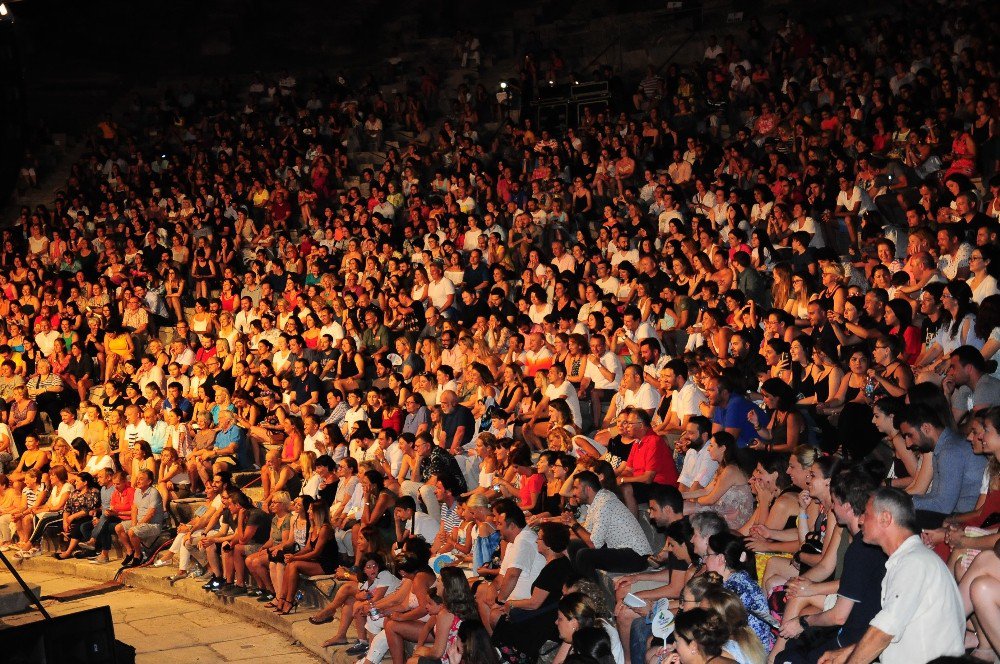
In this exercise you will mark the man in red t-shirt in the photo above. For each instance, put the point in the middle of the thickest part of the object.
(649, 461)
(119, 510)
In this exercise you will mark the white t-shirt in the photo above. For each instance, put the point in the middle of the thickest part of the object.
(687, 401)
(423, 525)
(610, 362)
(314, 442)
(523, 554)
(698, 467)
(439, 292)
(384, 579)
(566, 390)
(646, 397)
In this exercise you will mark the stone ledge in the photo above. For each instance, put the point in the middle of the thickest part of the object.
(295, 626)
(13, 599)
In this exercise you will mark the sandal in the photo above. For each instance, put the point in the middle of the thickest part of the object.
(290, 607)
(320, 621)
(333, 643)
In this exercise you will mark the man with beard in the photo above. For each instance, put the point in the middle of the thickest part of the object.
(958, 471)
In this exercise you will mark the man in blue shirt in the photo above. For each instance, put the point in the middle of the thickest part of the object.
(231, 450)
(178, 402)
(958, 471)
(730, 409)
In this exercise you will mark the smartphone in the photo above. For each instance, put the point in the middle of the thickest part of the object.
(632, 601)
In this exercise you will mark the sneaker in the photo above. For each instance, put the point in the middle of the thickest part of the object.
(254, 592)
(359, 648)
(223, 588)
(213, 582)
(100, 560)
(30, 553)
(266, 597)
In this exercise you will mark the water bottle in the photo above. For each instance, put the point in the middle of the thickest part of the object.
(373, 612)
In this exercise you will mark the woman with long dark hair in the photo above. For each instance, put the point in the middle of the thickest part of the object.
(318, 556)
(729, 557)
(958, 329)
(449, 605)
(786, 427)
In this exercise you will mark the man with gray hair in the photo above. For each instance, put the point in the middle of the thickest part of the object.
(922, 616)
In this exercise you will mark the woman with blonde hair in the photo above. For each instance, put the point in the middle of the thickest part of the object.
(430, 351)
(310, 478)
(743, 645)
(100, 458)
(63, 454)
(280, 540)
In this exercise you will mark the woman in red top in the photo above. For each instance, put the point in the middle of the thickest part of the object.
(899, 318)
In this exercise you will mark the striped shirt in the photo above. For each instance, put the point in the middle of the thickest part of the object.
(449, 517)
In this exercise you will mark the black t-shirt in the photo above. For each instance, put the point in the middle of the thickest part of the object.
(262, 520)
(552, 577)
(929, 329)
(460, 417)
(861, 582)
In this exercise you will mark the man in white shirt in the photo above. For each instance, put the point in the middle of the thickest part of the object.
(149, 372)
(686, 398)
(607, 282)
(610, 537)
(519, 568)
(410, 522)
(440, 290)
(602, 376)
(922, 616)
(699, 468)
(329, 325)
(245, 316)
(537, 428)
(46, 337)
(633, 330)
(315, 440)
(70, 428)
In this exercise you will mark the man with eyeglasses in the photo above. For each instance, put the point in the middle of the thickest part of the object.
(930, 308)
(650, 463)
(417, 419)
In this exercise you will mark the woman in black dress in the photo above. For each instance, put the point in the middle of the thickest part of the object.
(526, 624)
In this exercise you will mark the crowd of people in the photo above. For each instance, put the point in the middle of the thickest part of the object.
(709, 377)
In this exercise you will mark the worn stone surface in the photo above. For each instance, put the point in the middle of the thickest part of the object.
(185, 626)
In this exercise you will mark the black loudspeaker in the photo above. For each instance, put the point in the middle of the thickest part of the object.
(85, 637)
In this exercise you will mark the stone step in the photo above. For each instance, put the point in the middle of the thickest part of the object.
(295, 626)
(12, 597)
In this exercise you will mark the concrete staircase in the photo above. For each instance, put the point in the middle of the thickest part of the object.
(296, 625)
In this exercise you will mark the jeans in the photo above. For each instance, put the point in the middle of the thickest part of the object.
(639, 635)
